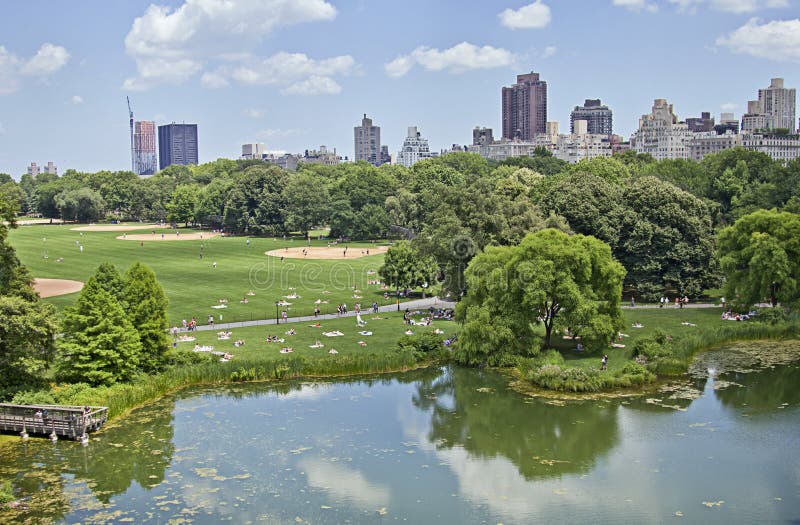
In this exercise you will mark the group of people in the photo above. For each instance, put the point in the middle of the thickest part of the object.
(679, 302)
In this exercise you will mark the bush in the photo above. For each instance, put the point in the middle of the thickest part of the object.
(426, 343)
(772, 316)
(6, 492)
(40, 397)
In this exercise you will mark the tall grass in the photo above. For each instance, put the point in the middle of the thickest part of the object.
(122, 397)
(685, 347)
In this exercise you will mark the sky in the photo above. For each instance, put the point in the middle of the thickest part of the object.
(297, 74)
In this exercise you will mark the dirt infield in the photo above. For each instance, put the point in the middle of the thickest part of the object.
(164, 236)
(320, 252)
(53, 287)
(118, 227)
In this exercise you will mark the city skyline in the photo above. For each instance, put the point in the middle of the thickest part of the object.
(302, 79)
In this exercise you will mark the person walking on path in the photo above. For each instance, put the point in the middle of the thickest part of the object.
(211, 321)
(633, 303)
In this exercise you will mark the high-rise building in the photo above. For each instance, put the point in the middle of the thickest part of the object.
(321, 156)
(661, 135)
(727, 123)
(525, 108)
(144, 147)
(481, 136)
(253, 151)
(703, 124)
(415, 148)
(599, 119)
(34, 169)
(778, 103)
(755, 119)
(367, 139)
(177, 144)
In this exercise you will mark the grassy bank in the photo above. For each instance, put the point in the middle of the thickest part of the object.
(388, 349)
(664, 346)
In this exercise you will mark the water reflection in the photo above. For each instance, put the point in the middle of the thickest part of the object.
(475, 411)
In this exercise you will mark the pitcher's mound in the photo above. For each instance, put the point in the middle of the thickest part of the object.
(118, 227)
(321, 252)
(53, 287)
(168, 236)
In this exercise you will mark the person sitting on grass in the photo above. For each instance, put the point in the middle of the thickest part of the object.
(290, 331)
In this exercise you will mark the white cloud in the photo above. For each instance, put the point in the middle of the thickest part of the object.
(295, 73)
(730, 6)
(173, 45)
(457, 59)
(213, 80)
(399, 66)
(253, 113)
(531, 16)
(777, 40)
(273, 132)
(549, 51)
(636, 5)
(48, 59)
(76, 99)
(313, 85)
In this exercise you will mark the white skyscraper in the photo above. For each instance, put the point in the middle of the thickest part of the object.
(415, 148)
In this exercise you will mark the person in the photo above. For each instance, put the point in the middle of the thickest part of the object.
(284, 316)
(723, 303)
(633, 303)
(677, 301)
(81, 248)
(175, 332)
(214, 264)
(374, 307)
(661, 302)
(604, 362)
(211, 320)
(248, 243)
(316, 311)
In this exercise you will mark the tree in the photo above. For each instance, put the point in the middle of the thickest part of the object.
(760, 256)
(182, 206)
(27, 334)
(13, 192)
(81, 204)
(552, 279)
(404, 267)
(110, 280)
(100, 345)
(306, 197)
(27, 325)
(146, 305)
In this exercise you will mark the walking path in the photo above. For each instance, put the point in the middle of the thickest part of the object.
(416, 304)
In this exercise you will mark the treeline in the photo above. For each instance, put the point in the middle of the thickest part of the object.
(659, 218)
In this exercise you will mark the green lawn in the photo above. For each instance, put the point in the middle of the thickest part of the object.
(668, 319)
(385, 333)
(192, 284)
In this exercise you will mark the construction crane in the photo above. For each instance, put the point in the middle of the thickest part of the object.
(133, 152)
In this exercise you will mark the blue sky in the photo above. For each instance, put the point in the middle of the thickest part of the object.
(296, 74)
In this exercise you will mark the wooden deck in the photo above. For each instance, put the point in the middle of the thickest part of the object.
(71, 422)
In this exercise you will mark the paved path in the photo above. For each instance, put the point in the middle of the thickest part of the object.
(416, 304)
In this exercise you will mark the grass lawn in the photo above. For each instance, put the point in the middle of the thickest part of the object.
(192, 284)
(668, 319)
(385, 333)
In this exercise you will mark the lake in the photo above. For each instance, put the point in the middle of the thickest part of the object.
(447, 445)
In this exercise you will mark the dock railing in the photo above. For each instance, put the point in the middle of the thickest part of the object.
(72, 422)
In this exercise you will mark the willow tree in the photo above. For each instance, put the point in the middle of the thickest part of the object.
(550, 280)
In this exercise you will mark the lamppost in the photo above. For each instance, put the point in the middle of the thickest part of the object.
(772, 297)
(277, 319)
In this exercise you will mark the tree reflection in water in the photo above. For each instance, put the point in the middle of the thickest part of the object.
(542, 440)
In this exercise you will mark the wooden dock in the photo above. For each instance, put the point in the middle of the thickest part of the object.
(72, 422)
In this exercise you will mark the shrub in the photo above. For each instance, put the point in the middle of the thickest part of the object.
(6, 492)
(40, 397)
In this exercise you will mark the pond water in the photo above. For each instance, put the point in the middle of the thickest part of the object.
(445, 446)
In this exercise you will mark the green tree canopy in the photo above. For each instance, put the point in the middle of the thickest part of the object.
(307, 199)
(181, 207)
(760, 249)
(552, 279)
(100, 345)
(146, 305)
(404, 267)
